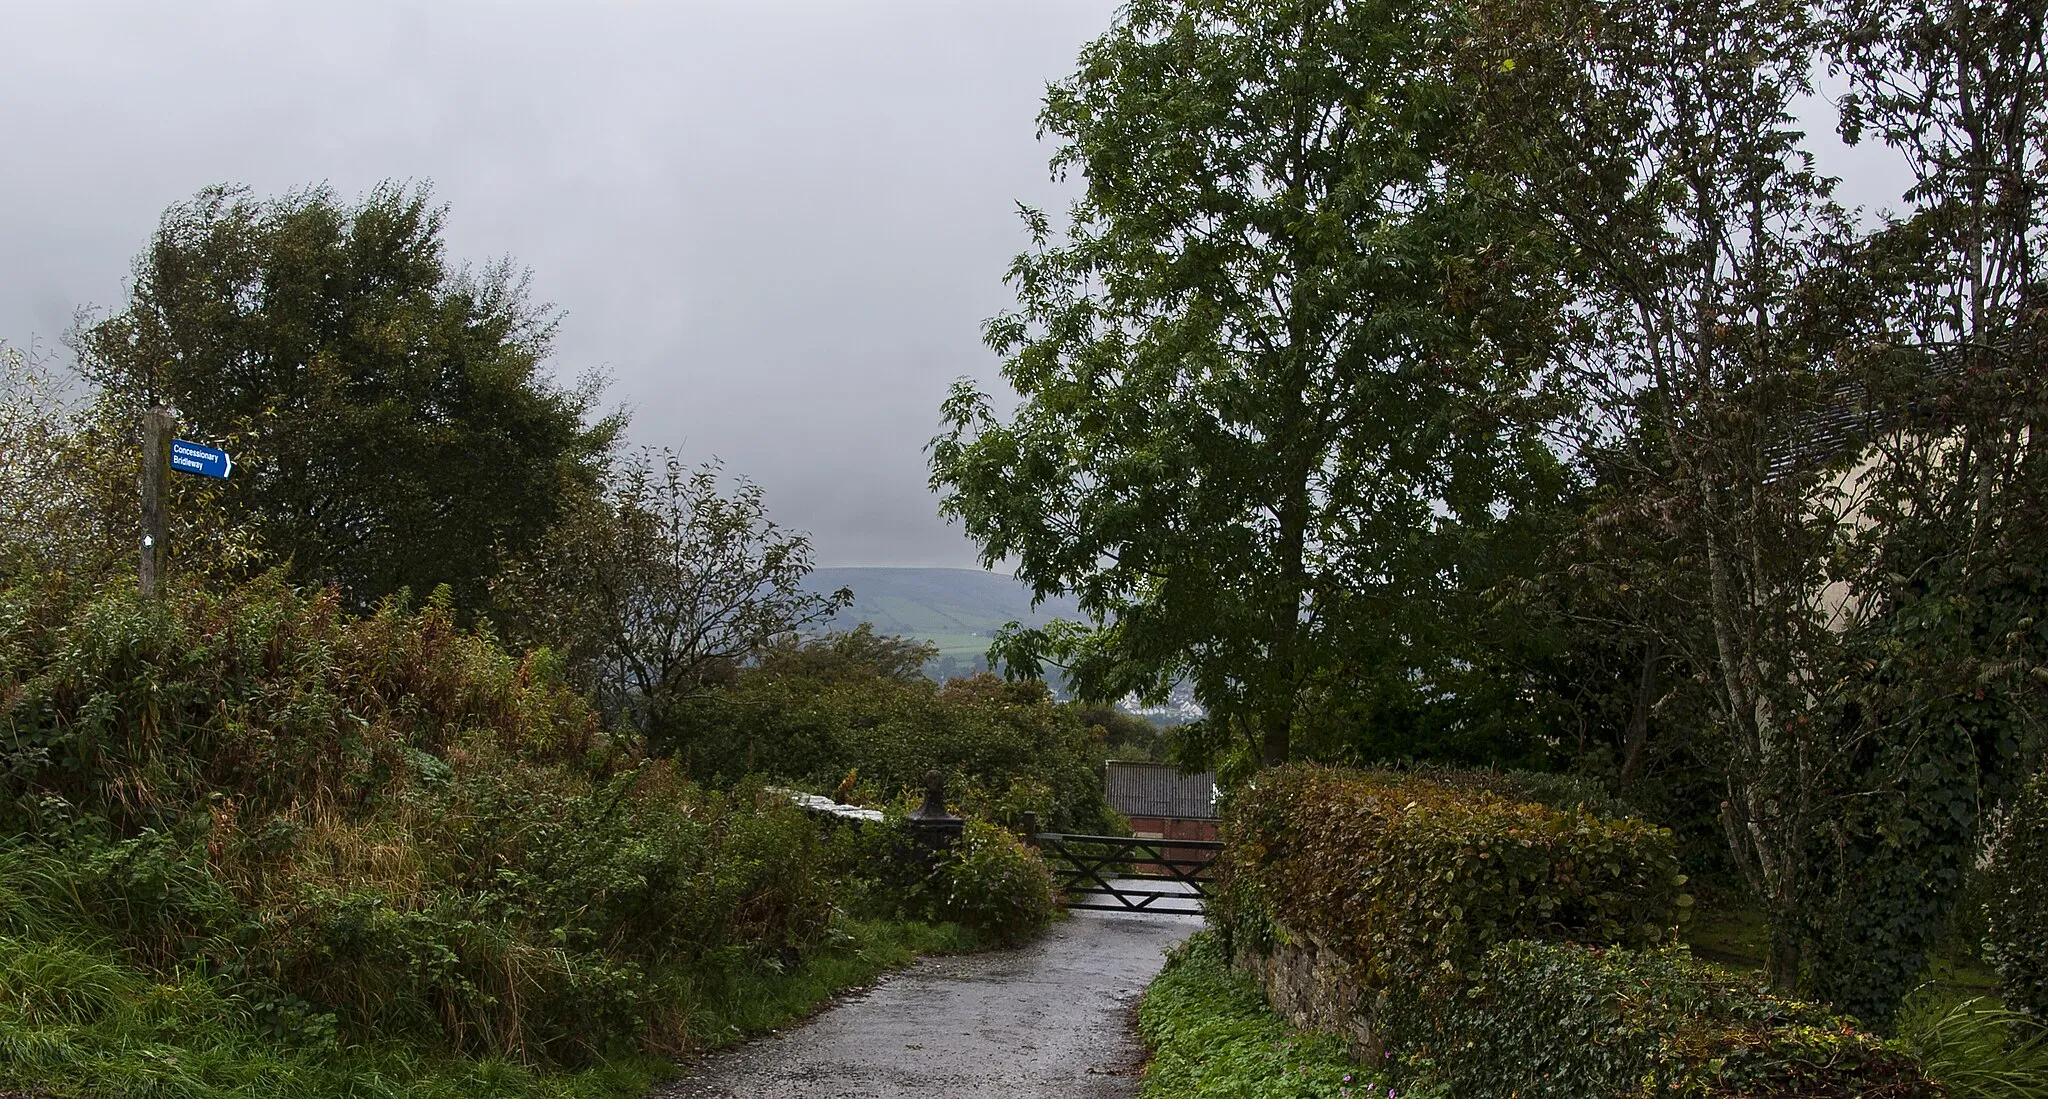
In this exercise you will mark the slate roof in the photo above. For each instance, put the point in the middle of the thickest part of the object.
(1159, 790)
(1847, 418)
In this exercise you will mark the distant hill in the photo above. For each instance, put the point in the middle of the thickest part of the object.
(959, 610)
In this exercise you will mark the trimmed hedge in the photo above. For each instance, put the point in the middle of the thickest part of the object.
(2016, 902)
(1557, 1021)
(1403, 875)
(1517, 950)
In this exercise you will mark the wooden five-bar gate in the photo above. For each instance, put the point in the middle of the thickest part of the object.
(1129, 874)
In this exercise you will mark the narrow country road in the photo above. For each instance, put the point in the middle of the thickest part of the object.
(1050, 1020)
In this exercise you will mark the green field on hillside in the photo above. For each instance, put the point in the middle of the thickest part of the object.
(959, 610)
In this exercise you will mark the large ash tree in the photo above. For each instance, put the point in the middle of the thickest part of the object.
(1271, 389)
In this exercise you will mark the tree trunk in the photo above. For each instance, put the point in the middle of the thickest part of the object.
(1635, 743)
(1274, 741)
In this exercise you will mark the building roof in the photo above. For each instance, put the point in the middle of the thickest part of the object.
(1847, 417)
(1159, 790)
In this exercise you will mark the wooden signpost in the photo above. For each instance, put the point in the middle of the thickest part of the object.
(160, 455)
(156, 466)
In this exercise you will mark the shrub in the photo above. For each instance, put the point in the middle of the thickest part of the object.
(1559, 791)
(991, 882)
(382, 823)
(2016, 902)
(1401, 875)
(135, 710)
(1558, 1021)
(519, 912)
(988, 882)
(529, 910)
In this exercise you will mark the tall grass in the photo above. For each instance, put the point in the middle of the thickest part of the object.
(1213, 1037)
(75, 1018)
(1977, 1048)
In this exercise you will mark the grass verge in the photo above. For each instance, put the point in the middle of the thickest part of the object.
(75, 1019)
(1212, 1036)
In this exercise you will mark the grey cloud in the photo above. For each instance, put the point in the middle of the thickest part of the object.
(778, 226)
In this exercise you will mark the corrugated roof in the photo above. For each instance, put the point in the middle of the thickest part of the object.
(1159, 790)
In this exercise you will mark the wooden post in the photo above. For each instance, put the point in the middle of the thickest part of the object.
(157, 426)
(1030, 828)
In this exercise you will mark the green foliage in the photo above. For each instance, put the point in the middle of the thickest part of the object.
(812, 711)
(1976, 1049)
(1403, 875)
(390, 418)
(988, 883)
(2016, 902)
(1213, 1037)
(1894, 864)
(1559, 791)
(1274, 371)
(991, 883)
(662, 586)
(520, 912)
(136, 710)
(76, 1018)
(374, 829)
(1560, 1021)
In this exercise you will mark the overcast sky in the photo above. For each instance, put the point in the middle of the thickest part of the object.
(776, 225)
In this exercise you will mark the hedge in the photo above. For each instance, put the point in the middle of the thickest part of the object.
(1559, 1021)
(1402, 875)
(2016, 902)
(1514, 949)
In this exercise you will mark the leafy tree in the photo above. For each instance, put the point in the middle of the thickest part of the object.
(858, 653)
(1949, 570)
(390, 418)
(51, 502)
(1275, 373)
(663, 587)
(1657, 140)
(1852, 613)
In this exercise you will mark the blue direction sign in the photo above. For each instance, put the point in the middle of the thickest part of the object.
(203, 460)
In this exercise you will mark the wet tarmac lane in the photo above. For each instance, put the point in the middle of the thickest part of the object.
(1049, 1019)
